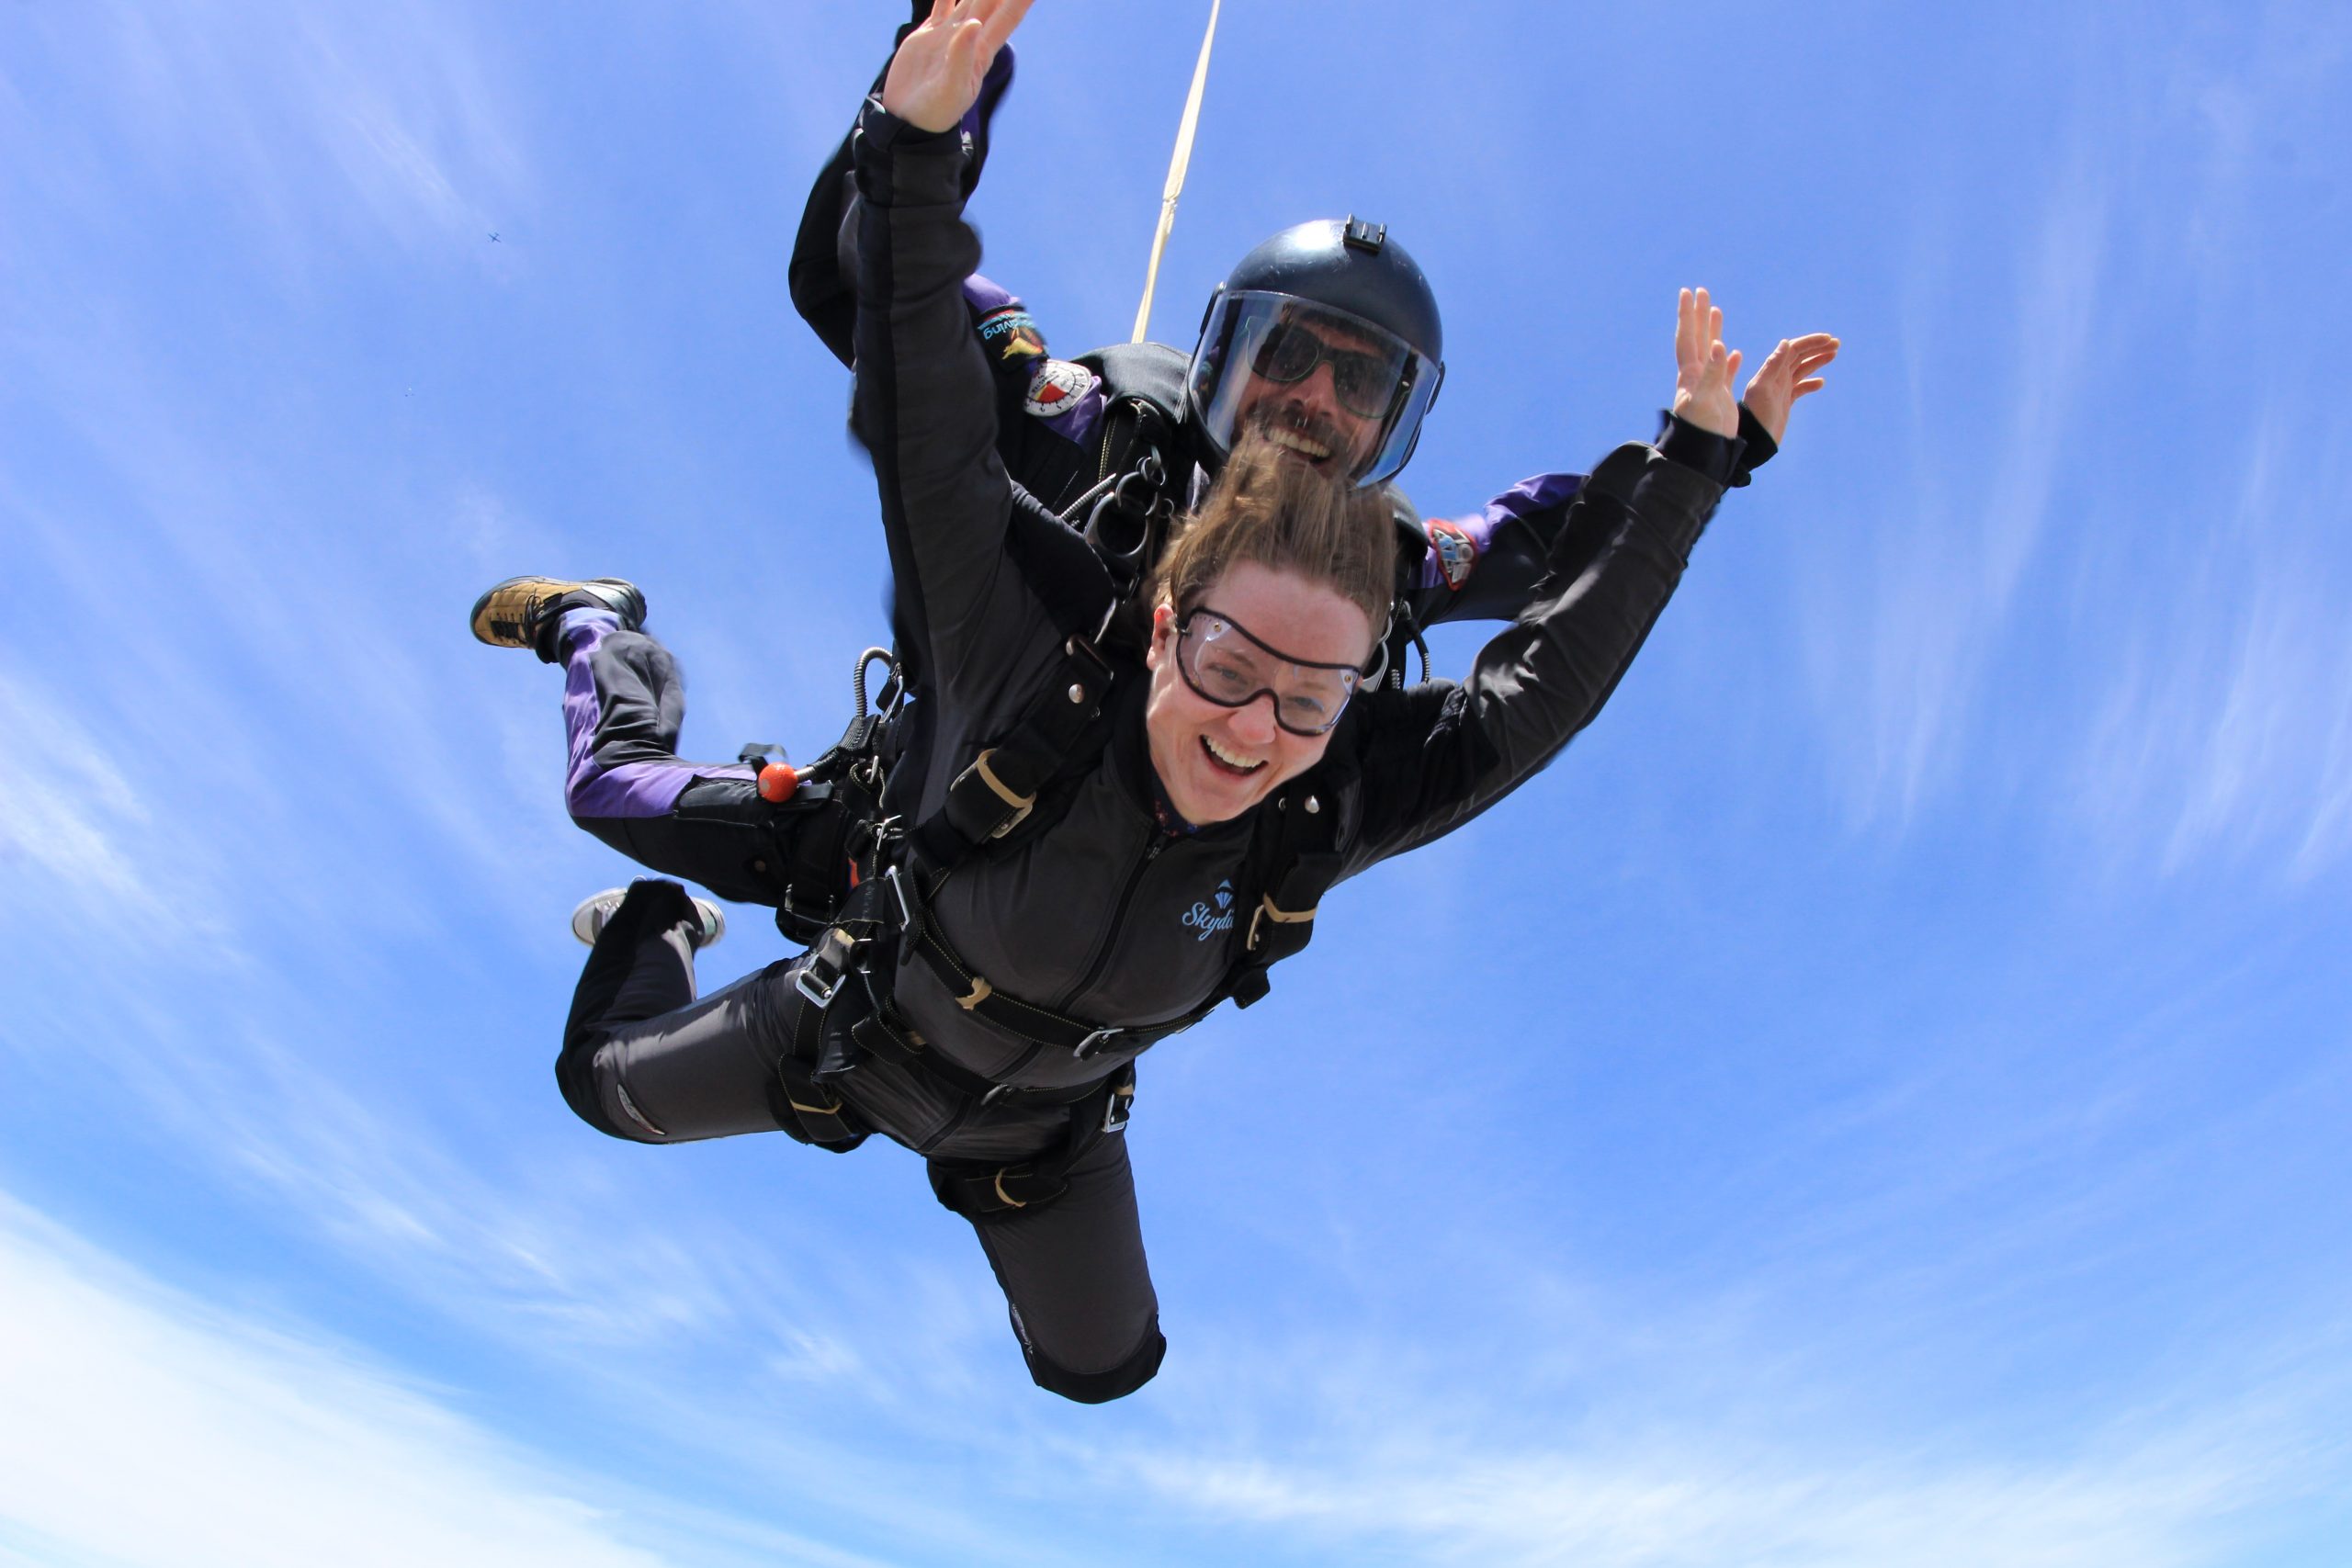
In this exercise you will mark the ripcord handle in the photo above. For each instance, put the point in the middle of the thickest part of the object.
(1176, 167)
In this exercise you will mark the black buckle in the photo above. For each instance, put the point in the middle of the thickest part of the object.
(1081, 647)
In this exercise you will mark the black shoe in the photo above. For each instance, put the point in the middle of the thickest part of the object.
(588, 921)
(522, 612)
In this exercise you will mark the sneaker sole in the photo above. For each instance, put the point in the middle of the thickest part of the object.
(503, 615)
(588, 920)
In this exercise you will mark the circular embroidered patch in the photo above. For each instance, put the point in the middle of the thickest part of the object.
(1056, 386)
(1456, 552)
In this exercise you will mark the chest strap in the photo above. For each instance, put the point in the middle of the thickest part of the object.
(994, 796)
(1043, 1028)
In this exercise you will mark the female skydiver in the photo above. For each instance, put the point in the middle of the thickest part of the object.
(1061, 889)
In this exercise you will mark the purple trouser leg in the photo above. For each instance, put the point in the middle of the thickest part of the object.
(623, 704)
(624, 701)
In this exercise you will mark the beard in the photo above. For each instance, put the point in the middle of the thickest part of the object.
(1276, 416)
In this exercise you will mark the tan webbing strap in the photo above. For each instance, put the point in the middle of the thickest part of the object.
(1003, 790)
(1269, 911)
(1009, 1201)
(981, 990)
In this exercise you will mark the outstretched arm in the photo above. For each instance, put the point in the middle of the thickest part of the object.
(1489, 564)
(822, 275)
(1437, 756)
(924, 405)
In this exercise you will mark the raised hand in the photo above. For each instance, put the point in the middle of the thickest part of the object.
(936, 74)
(1704, 369)
(1786, 375)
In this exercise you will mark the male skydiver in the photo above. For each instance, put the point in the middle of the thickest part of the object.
(1326, 336)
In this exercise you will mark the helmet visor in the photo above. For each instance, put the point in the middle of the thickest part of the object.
(1325, 384)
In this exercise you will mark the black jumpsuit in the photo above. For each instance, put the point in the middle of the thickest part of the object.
(1099, 914)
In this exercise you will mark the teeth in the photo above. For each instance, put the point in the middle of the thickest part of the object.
(1300, 444)
(1229, 760)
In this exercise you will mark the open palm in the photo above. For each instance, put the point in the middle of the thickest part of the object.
(1703, 369)
(936, 74)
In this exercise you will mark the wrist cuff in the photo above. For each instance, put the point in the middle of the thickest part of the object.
(1715, 457)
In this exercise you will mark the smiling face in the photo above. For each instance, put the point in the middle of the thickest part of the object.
(1216, 763)
(1306, 418)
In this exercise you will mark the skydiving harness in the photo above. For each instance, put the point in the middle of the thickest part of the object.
(817, 818)
(1011, 792)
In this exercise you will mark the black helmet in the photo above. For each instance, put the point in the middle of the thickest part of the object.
(1334, 292)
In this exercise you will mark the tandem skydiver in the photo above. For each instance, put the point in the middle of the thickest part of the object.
(1326, 337)
(1083, 847)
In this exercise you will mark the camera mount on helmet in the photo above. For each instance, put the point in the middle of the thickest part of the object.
(1331, 298)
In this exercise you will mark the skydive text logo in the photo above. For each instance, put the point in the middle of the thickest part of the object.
(1207, 920)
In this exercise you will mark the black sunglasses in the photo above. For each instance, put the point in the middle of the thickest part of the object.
(1366, 383)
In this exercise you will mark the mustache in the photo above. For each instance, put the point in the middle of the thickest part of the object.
(1299, 419)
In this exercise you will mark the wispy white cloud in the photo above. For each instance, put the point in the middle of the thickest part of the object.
(60, 797)
(140, 1427)
(2227, 728)
(1658, 1480)
(1898, 660)
(308, 123)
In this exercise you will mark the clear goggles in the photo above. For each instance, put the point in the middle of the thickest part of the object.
(1221, 661)
(1254, 345)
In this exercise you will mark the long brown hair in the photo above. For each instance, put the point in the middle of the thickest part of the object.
(1287, 516)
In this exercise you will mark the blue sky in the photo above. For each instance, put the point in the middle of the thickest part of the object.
(1878, 1100)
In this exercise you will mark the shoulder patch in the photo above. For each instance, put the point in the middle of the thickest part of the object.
(1056, 386)
(1456, 551)
(1010, 333)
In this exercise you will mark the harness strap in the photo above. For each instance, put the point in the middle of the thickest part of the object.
(1043, 1028)
(1299, 866)
(998, 792)
(815, 1115)
(984, 1194)
(886, 1033)
(1020, 802)
(804, 1107)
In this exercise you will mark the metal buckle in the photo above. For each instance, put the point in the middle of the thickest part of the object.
(898, 890)
(998, 1093)
(1094, 1042)
(1118, 1109)
(820, 993)
(821, 979)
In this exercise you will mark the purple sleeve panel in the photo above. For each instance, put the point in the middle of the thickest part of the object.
(1458, 544)
(1076, 424)
(1065, 399)
(984, 295)
(630, 789)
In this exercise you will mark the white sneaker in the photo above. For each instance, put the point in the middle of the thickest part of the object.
(588, 920)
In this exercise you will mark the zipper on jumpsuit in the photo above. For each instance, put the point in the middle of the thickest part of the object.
(1158, 841)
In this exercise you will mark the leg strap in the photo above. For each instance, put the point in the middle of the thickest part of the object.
(984, 1194)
